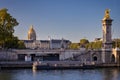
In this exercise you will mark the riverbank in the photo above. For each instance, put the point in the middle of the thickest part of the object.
(51, 65)
(16, 65)
(54, 65)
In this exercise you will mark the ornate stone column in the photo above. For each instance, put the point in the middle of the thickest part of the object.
(107, 38)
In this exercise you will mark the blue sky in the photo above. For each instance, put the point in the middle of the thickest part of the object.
(68, 19)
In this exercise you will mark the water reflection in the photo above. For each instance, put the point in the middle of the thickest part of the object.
(111, 74)
(93, 74)
(5, 75)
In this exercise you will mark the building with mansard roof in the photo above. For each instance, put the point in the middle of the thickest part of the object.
(32, 43)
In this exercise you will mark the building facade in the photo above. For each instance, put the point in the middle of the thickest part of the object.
(32, 43)
(59, 44)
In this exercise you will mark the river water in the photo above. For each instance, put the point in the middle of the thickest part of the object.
(79, 74)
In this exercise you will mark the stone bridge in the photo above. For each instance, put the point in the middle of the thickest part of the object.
(45, 54)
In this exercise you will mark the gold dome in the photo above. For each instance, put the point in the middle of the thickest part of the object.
(31, 34)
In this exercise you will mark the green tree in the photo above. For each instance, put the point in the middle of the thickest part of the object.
(74, 46)
(7, 24)
(83, 42)
(11, 42)
(116, 43)
(89, 45)
(21, 45)
(94, 45)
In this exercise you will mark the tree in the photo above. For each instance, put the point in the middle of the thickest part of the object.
(83, 42)
(116, 43)
(74, 46)
(94, 45)
(97, 45)
(11, 42)
(90, 45)
(7, 24)
(21, 45)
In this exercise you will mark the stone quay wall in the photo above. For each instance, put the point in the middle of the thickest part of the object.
(8, 55)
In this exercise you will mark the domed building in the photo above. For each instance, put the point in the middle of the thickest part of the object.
(32, 43)
(31, 34)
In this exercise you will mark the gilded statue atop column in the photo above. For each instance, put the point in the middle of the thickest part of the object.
(107, 14)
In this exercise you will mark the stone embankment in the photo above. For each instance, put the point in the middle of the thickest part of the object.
(50, 65)
(16, 65)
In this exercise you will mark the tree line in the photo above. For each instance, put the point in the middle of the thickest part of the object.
(84, 43)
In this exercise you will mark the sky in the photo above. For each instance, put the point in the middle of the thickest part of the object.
(69, 19)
